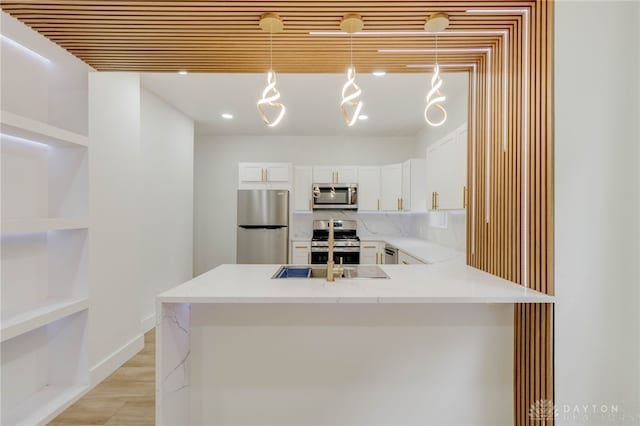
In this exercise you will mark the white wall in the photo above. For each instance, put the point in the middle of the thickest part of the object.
(166, 198)
(50, 85)
(597, 209)
(216, 178)
(115, 268)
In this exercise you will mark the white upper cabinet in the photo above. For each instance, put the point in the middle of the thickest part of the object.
(403, 186)
(447, 171)
(302, 192)
(369, 188)
(390, 187)
(335, 174)
(346, 174)
(414, 179)
(264, 175)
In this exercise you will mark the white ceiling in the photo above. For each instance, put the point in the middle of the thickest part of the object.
(394, 102)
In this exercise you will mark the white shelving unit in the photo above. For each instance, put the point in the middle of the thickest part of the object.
(46, 370)
(44, 237)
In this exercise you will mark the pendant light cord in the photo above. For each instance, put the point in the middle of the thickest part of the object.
(351, 50)
(436, 48)
(271, 47)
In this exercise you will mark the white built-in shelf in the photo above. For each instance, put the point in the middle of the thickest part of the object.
(44, 405)
(43, 313)
(19, 226)
(37, 131)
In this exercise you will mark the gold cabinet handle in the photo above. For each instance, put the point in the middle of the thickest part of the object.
(337, 177)
(378, 203)
(309, 204)
(398, 203)
(262, 174)
(369, 246)
(266, 175)
(437, 200)
(377, 256)
(464, 197)
(302, 247)
(401, 203)
(309, 258)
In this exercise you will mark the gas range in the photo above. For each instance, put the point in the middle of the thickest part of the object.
(346, 247)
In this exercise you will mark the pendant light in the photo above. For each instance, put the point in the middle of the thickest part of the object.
(436, 23)
(350, 105)
(269, 108)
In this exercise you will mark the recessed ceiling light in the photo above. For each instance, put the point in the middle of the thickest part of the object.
(379, 73)
(183, 72)
(363, 117)
(227, 116)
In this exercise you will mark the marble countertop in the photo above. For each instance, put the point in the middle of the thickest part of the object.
(426, 251)
(445, 282)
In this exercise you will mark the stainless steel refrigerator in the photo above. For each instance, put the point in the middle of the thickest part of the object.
(263, 226)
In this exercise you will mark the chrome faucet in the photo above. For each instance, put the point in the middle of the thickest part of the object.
(332, 271)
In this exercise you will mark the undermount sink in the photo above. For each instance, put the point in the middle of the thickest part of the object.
(320, 271)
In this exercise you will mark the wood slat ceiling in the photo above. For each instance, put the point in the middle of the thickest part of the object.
(214, 36)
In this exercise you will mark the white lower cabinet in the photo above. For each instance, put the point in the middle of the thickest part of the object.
(407, 259)
(371, 252)
(301, 252)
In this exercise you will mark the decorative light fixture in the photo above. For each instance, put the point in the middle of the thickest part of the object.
(436, 23)
(350, 104)
(273, 24)
(226, 116)
(379, 73)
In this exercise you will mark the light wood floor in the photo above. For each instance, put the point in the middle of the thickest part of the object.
(126, 398)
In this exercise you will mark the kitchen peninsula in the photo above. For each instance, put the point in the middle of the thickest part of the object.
(356, 351)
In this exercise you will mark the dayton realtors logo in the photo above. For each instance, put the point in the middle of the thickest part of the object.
(545, 409)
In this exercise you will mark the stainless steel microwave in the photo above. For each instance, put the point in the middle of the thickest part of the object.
(337, 196)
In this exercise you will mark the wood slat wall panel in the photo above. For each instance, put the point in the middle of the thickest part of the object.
(525, 168)
(510, 223)
(142, 35)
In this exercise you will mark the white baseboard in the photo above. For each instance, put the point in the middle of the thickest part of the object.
(104, 368)
(148, 323)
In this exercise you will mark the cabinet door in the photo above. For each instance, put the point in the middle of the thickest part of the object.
(459, 177)
(346, 174)
(437, 165)
(368, 188)
(300, 253)
(432, 176)
(390, 187)
(368, 254)
(277, 173)
(323, 174)
(302, 188)
(406, 259)
(250, 173)
(405, 203)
